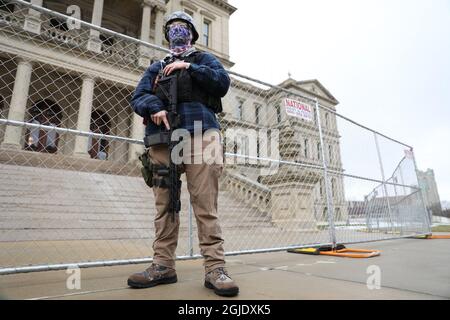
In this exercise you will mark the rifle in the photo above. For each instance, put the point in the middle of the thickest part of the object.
(168, 86)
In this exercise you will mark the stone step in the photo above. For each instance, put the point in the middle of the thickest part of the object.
(57, 204)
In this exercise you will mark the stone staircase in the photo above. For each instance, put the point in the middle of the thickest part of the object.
(38, 203)
(247, 190)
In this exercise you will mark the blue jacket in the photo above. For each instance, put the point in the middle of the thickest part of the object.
(208, 73)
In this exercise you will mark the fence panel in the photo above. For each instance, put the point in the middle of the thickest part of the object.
(70, 183)
(374, 183)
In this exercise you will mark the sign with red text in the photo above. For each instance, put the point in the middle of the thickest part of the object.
(298, 109)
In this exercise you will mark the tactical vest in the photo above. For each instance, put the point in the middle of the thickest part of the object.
(188, 89)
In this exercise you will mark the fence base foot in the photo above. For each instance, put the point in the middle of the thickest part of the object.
(339, 251)
(433, 236)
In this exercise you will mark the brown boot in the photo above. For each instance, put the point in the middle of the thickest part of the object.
(152, 276)
(222, 284)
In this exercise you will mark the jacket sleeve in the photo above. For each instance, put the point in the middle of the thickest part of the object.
(210, 75)
(144, 102)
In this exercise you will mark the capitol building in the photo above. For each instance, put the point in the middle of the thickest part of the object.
(56, 72)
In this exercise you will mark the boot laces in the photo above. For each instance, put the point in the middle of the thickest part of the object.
(223, 274)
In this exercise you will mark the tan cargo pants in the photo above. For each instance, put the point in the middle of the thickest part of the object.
(203, 186)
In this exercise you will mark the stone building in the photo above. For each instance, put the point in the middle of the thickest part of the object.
(430, 192)
(59, 74)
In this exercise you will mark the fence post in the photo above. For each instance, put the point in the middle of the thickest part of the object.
(385, 192)
(428, 218)
(330, 206)
(190, 244)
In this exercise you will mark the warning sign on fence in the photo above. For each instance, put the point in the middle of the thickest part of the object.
(298, 109)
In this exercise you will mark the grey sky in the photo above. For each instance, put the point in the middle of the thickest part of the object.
(386, 61)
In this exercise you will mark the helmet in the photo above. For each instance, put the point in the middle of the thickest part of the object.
(183, 16)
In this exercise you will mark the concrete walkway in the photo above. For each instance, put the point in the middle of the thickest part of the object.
(409, 269)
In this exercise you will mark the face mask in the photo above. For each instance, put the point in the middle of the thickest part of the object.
(180, 38)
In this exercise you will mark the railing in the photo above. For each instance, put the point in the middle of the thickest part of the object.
(247, 190)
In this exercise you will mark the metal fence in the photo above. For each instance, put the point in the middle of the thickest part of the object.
(297, 173)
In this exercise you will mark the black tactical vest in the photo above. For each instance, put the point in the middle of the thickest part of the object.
(188, 89)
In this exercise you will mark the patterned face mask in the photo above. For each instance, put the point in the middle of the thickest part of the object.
(180, 37)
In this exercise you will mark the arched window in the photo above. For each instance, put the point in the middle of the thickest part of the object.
(45, 112)
(100, 123)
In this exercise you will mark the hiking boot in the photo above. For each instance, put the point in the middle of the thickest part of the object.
(152, 276)
(220, 281)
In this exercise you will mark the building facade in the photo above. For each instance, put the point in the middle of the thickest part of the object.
(58, 73)
(430, 192)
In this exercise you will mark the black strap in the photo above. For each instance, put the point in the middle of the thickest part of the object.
(162, 182)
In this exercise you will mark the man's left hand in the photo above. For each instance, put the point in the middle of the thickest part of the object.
(177, 65)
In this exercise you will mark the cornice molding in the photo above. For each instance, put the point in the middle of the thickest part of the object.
(208, 14)
(189, 5)
(224, 5)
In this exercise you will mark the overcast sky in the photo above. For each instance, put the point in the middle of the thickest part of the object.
(386, 61)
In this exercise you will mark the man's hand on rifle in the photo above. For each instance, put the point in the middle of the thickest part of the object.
(159, 117)
(175, 66)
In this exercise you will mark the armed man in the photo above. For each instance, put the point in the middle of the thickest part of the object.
(178, 93)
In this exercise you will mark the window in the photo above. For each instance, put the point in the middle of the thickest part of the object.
(45, 112)
(258, 147)
(100, 123)
(206, 32)
(278, 110)
(318, 150)
(330, 152)
(59, 24)
(2, 106)
(242, 148)
(257, 113)
(325, 213)
(239, 106)
(338, 214)
(333, 187)
(107, 41)
(326, 120)
(6, 6)
(245, 146)
(305, 148)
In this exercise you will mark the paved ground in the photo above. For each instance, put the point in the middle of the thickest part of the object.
(410, 269)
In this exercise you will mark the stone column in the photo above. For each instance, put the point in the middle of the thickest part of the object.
(33, 19)
(137, 131)
(159, 35)
(144, 52)
(13, 135)
(118, 149)
(84, 116)
(94, 43)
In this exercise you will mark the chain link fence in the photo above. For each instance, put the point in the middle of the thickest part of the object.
(297, 173)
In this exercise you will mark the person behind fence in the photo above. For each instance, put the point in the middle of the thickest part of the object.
(201, 82)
